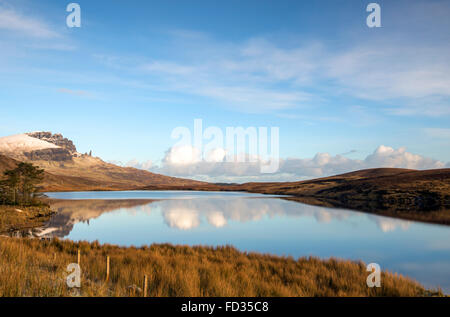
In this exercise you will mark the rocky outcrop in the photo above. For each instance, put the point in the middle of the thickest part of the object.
(56, 139)
(56, 155)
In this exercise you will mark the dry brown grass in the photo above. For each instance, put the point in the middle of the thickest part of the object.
(31, 267)
(14, 218)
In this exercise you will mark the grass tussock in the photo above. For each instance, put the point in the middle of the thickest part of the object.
(30, 267)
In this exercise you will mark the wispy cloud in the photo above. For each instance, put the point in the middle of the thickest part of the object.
(417, 77)
(80, 93)
(12, 21)
(440, 133)
(51, 46)
(257, 75)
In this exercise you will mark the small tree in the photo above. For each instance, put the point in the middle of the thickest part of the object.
(11, 184)
(4, 193)
(21, 184)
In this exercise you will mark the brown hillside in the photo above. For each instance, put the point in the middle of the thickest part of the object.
(92, 173)
(409, 194)
(86, 174)
(6, 163)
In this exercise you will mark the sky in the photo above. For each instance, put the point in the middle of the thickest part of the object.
(343, 96)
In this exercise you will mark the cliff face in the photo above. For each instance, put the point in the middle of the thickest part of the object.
(56, 139)
(56, 155)
(64, 151)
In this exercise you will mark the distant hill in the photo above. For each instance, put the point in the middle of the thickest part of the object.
(361, 182)
(403, 193)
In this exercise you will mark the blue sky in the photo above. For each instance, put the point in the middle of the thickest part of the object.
(135, 70)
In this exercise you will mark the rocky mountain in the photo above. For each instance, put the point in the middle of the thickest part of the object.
(64, 150)
(56, 139)
(67, 170)
(16, 146)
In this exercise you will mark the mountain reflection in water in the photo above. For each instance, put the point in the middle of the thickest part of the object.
(190, 213)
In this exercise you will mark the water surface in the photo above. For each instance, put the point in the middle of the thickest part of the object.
(254, 222)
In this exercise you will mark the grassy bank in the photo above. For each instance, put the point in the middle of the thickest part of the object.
(14, 218)
(32, 267)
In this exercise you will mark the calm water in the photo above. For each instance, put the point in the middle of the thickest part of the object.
(253, 222)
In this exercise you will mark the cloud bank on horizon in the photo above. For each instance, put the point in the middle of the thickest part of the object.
(180, 162)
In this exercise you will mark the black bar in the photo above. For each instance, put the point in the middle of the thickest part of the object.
(274, 305)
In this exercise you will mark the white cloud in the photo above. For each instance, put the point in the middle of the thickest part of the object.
(403, 72)
(182, 155)
(180, 163)
(80, 93)
(147, 165)
(12, 21)
(438, 133)
(216, 155)
(168, 68)
(390, 224)
(66, 47)
(381, 70)
(388, 157)
(262, 74)
(182, 218)
(217, 219)
(257, 75)
(220, 81)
